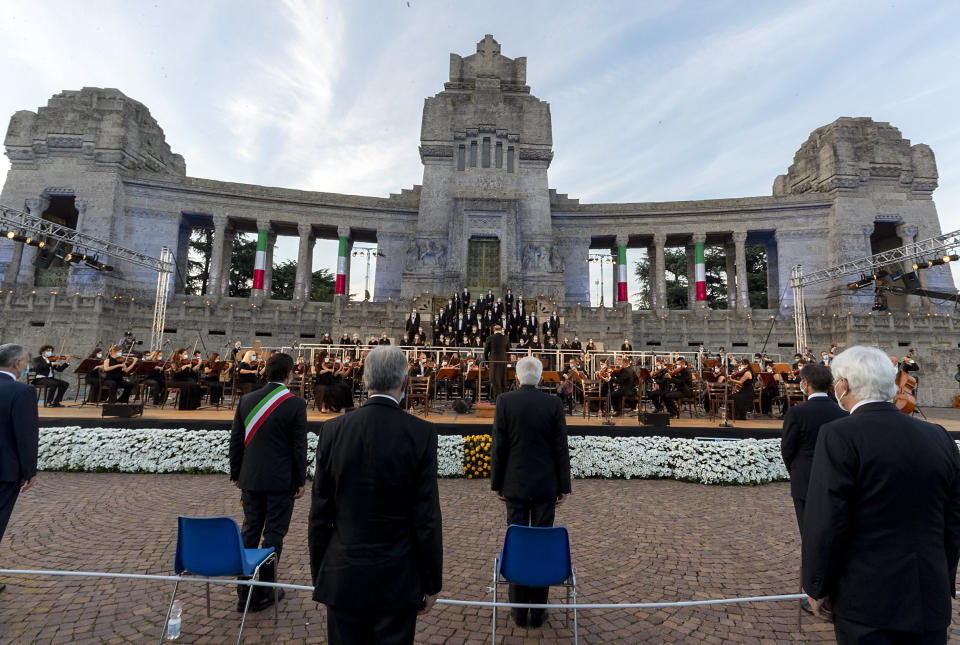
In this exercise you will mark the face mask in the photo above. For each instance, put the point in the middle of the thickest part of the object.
(99, 354)
(48, 354)
(185, 356)
(26, 370)
(839, 399)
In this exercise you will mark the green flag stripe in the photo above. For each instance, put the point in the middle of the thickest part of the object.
(262, 240)
(262, 402)
(342, 250)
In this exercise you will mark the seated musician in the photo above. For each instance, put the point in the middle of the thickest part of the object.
(92, 378)
(680, 386)
(405, 340)
(742, 379)
(325, 339)
(341, 394)
(418, 341)
(211, 378)
(46, 366)
(624, 386)
(356, 340)
(248, 372)
(471, 376)
(156, 381)
(182, 373)
(115, 370)
(770, 382)
(626, 346)
(658, 384)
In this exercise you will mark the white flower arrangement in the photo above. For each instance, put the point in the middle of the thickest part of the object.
(748, 461)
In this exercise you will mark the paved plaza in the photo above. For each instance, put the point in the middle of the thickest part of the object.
(632, 541)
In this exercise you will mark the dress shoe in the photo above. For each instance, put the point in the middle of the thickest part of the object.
(519, 617)
(805, 605)
(259, 603)
(2, 586)
(538, 617)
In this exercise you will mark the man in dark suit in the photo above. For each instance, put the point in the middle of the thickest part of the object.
(412, 326)
(881, 527)
(19, 435)
(375, 533)
(495, 354)
(530, 466)
(46, 376)
(268, 463)
(801, 427)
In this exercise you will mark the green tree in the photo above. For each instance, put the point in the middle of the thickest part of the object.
(285, 279)
(243, 255)
(198, 261)
(675, 263)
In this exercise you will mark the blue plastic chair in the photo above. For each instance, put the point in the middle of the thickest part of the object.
(535, 557)
(211, 547)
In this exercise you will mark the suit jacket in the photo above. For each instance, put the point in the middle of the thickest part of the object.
(801, 426)
(529, 457)
(19, 434)
(881, 531)
(44, 368)
(276, 457)
(375, 532)
(496, 348)
(412, 325)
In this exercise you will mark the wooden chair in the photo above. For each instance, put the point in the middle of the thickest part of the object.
(592, 391)
(718, 394)
(418, 388)
(166, 397)
(791, 395)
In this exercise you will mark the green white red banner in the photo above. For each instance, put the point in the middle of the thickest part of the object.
(621, 273)
(260, 262)
(701, 271)
(341, 286)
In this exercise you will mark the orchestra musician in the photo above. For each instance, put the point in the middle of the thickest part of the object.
(658, 384)
(46, 366)
(248, 372)
(211, 378)
(92, 378)
(183, 375)
(743, 393)
(156, 382)
(623, 382)
(680, 386)
(115, 370)
(323, 370)
(471, 376)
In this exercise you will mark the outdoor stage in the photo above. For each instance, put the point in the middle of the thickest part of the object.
(208, 418)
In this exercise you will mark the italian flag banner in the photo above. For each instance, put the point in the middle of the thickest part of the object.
(260, 262)
(701, 272)
(622, 273)
(264, 409)
(341, 285)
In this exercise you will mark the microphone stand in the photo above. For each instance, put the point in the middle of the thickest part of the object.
(608, 419)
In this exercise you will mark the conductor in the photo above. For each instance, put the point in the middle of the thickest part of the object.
(495, 354)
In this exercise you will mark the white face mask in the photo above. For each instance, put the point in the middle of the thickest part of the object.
(839, 398)
(99, 354)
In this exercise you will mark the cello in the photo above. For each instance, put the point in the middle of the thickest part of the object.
(904, 399)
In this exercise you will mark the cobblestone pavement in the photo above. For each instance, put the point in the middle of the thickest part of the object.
(632, 541)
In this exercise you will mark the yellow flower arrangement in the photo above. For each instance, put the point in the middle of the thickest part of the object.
(476, 456)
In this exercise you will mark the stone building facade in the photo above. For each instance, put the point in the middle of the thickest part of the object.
(484, 216)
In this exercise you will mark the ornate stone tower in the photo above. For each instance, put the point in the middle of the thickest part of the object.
(484, 216)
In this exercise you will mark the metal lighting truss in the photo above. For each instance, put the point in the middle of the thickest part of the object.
(38, 228)
(944, 244)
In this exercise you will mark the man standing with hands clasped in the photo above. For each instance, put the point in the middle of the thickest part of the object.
(268, 463)
(375, 533)
(881, 528)
(530, 466)
(19, 435)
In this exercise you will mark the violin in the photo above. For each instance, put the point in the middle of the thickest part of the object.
(904, 399)
(737, 385)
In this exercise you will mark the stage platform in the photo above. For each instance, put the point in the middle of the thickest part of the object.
(207, 418)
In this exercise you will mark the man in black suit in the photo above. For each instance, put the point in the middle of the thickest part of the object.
(268, 463)
(495, 354)
(46, 376)
(530, 466)
(19, 435)
(680, 386)
(881, 527)
(801, 426)
(375, 533)
(412, 326)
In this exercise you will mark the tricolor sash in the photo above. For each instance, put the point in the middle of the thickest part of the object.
(264, 409)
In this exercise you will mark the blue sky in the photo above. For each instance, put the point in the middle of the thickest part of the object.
(650, 101)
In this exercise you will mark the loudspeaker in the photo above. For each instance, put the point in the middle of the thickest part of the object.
(462, 406)
(123, 410)
(658, 419)
(912, 280)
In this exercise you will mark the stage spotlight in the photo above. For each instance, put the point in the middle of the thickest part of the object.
(880, 275)
(935, 262)
(93, 263)
(864, 281)
(951, 258)
(10, 235)
(880, 302)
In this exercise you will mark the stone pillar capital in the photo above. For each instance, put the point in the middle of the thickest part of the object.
(304, 229)
(659, 239)
(36, 205)
(80, 205)
(739, 237)
(699, 238)
(622, 239)
(343, 231)
(907, 232)
(263, 224)
(220, 223)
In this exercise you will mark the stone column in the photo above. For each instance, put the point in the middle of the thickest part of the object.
(691, 278)
(773, 272)
(268, 267)
(739, 242)
(659, 240)
(621, 263)
(226, 264)
(28, 272)
(343, 261)
(216, 255)
(301, 290)
(731, 277)
(699, 279)
(81, 206)
(13, 269)
(260, 263)
(908, 235)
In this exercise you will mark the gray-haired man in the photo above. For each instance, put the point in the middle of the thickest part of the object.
(18, 431)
